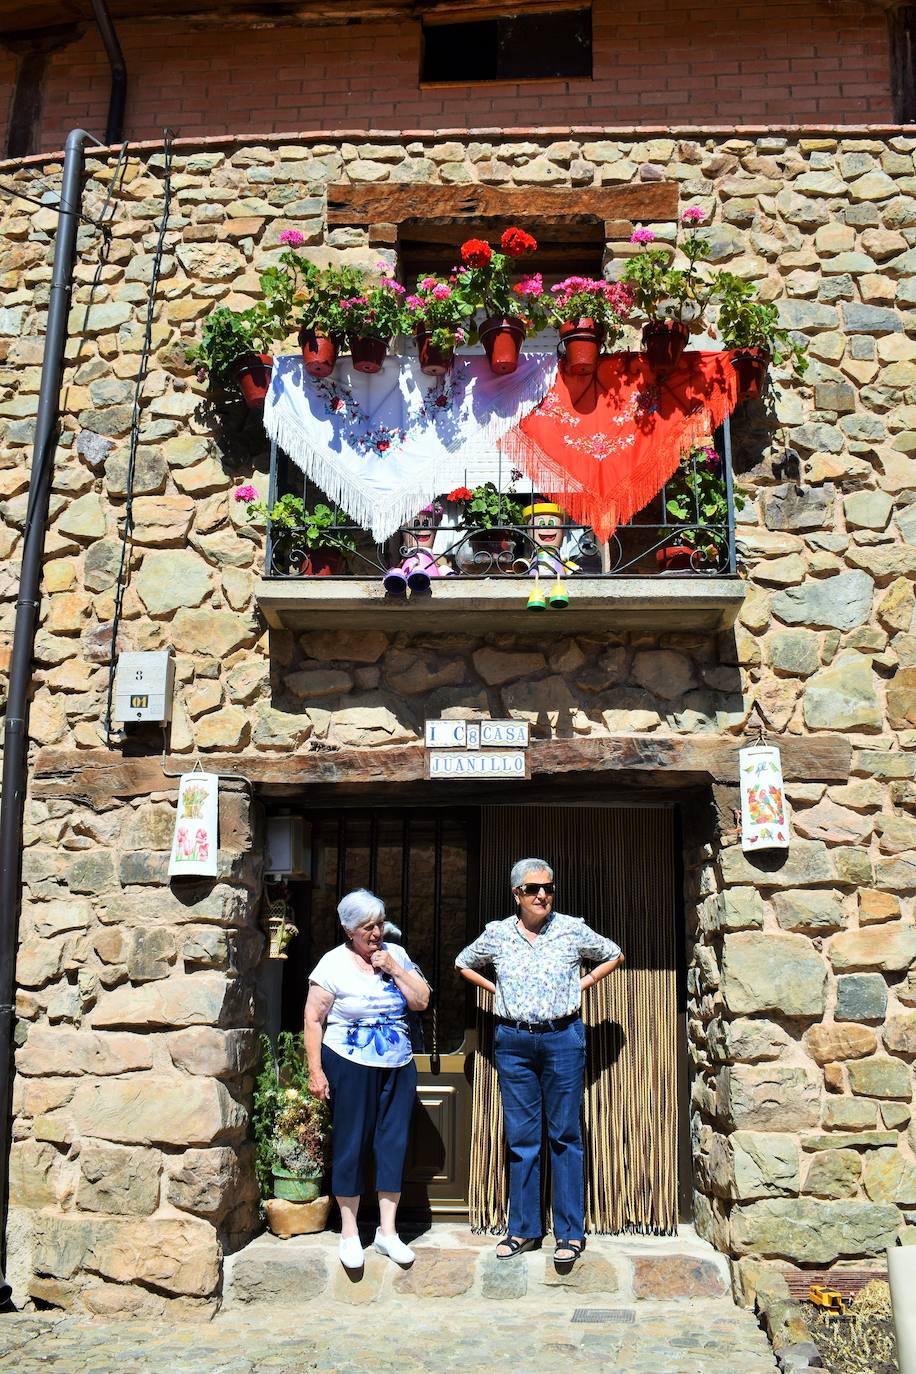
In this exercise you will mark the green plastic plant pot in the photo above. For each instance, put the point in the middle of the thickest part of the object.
(296, 1187)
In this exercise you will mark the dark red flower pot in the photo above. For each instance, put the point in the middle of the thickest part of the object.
(251, 374)
(581, 347)
(434, 362)
(502, 338)
(321, 563)
(663, 342)
(319, 352)
(751, 367)
(674, 558)
(367, 353)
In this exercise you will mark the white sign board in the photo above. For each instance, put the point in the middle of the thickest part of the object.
(195, 843)
(477, 763)
(477, 734)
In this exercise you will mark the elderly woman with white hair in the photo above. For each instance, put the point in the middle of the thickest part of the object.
(537, 955)
(357, 1042)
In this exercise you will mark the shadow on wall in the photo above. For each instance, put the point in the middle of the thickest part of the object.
(350, 688)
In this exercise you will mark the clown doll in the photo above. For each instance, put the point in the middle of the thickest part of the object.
(545, 523)
(421, 563)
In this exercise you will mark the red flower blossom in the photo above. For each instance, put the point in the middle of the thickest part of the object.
(460, 494)
(383, 444)
(476, 253)
(516, 242)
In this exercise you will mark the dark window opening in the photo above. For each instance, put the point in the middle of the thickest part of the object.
(574, 247)
(513, 47)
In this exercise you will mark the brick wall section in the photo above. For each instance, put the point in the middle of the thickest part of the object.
(663, 62)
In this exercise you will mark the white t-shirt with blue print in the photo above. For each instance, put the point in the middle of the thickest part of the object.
(367, 1022)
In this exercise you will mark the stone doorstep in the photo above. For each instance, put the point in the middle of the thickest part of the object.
(454, 1263)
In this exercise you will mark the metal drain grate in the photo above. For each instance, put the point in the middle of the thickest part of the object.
(626, 1315)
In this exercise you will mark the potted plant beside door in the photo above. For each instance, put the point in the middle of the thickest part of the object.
(291, 1132)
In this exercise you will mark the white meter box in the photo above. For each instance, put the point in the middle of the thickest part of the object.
(143, 688)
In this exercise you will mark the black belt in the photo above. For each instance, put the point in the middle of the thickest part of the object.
(538, 1027)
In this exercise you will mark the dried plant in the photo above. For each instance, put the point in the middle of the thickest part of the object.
(862, 1342)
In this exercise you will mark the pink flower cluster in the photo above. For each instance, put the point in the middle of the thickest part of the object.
(441, 291)
(710, 456)
(353, 301)
(293, 238)
(617, 294)
(246, 492)
(532, 285)
(642, 236)
(693, 215)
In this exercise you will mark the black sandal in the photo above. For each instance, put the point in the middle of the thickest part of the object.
(517, 1245)
(567, 1262)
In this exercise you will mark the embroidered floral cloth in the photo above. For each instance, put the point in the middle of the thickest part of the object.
(383, 445)
(604, 445)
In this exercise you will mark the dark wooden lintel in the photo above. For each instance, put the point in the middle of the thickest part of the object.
(98, 775)
(421, 202)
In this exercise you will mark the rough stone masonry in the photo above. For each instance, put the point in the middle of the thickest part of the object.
(138, 1004)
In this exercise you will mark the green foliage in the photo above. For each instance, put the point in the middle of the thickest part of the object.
(291, 1127)
(293, 524)
(321, 308)
(491, 509)
(376, 312)
(229, 334)
(492, 289)
(746, 322)
(696, 495)
(663, 292)
(447, 317)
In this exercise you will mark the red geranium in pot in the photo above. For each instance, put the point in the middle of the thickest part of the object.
(510, 308)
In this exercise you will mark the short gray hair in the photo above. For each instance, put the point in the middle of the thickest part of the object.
(521, 870)
(359, 907)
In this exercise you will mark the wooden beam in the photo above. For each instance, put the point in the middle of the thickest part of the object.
(98, 775)
(421, 202)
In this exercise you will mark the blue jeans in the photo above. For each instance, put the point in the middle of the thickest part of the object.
(540, 1076)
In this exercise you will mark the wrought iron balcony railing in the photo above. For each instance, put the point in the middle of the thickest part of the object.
(654, 543)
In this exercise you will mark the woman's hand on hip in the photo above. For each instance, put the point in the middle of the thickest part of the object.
(319, 1086)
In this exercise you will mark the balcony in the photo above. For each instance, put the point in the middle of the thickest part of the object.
(656, 572)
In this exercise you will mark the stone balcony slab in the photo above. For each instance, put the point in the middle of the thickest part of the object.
(693, 601)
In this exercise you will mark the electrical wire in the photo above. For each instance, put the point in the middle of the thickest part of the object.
(135, 423)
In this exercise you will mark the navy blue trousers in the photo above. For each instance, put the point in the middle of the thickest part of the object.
(371, 1110)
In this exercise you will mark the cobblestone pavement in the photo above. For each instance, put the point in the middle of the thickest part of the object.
(682, 1338)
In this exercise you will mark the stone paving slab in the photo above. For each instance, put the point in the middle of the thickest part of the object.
(415, 1336)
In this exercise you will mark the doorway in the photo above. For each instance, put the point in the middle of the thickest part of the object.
(443, 873)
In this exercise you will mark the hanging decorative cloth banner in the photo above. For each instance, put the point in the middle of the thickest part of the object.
(764, 814)
(195, 844)
(383, 445)
(605, 445)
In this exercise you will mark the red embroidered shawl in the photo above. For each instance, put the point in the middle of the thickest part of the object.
(604, 445)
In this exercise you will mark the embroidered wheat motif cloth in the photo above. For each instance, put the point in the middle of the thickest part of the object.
(605, 445)
(383, 445)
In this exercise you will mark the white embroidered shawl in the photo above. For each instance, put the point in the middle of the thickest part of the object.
(382, 445)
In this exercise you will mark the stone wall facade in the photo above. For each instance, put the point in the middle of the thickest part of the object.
(138, 1003)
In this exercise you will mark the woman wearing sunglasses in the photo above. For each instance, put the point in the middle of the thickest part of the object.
(540, 1051)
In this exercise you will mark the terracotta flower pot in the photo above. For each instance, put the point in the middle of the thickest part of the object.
(663, 343)
(751, 367)
(674, 558)
(251, 374)
(321, 563)
(581, 347)
(367, 353)
(434, 362)
(319, 352)
(502, 339)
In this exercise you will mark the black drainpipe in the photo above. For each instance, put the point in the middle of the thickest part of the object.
(115, 122)
(14, 731)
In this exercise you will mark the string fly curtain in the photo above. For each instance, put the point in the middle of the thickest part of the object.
(615, 868)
